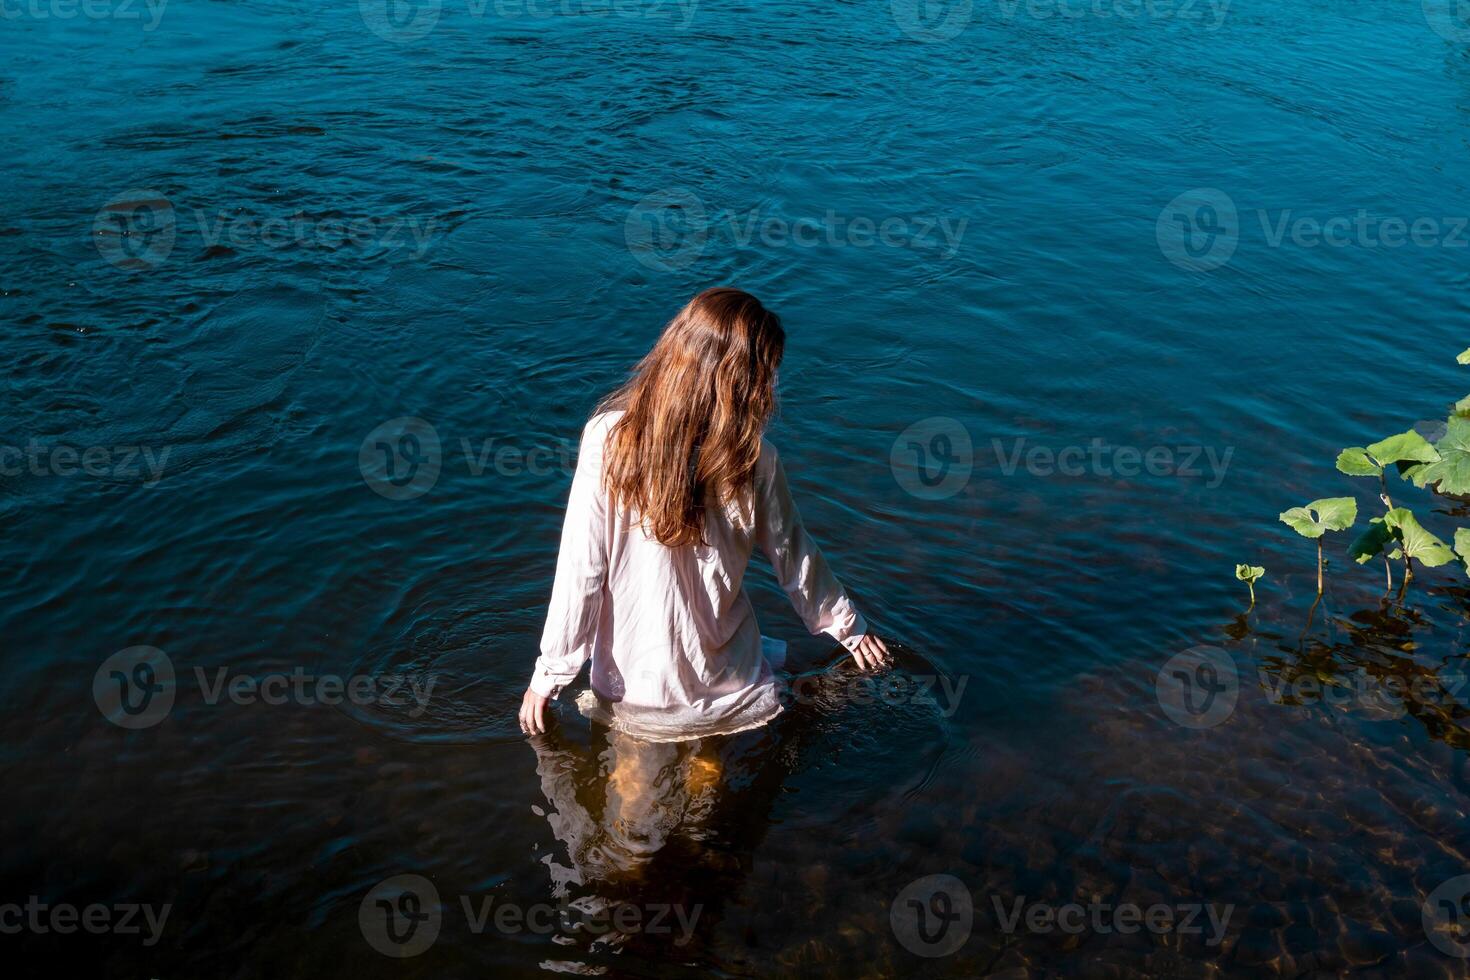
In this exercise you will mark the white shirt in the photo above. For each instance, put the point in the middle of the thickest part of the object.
(675, 648)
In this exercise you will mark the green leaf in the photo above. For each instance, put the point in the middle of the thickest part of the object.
(1371, 542)
(1405, 447)
(1463, 357)
(1451, 472)
(1249, 573)
(1354, 461)
(1300, 520)
(1462, 546)
(1321, 516)
(1415, 541)
(1336, 513)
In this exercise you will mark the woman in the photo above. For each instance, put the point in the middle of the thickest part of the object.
(675, 486)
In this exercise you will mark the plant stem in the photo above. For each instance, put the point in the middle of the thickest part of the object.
(1311, 614)
(1408, 569)
(1252, 587)
(1319, 565)
(1387, 502)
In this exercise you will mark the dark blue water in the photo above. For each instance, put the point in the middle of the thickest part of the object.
(236, 239)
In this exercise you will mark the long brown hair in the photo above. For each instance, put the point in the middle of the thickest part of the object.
(694, 410)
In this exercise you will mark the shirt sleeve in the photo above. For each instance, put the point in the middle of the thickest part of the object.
(581, 574)
(819, 599)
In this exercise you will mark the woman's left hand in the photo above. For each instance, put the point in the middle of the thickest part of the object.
(533, 713)
(871, 653)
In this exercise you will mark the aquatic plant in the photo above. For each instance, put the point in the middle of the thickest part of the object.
(1449, 471)
(1404, 450)
(1442, 466)
(1250, 573)
(1372, 542)
(1317, 518)
(1412, 541)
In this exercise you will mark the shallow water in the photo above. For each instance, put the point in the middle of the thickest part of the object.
(249, 237)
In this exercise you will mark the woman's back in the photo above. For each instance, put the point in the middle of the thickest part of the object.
(675, 648)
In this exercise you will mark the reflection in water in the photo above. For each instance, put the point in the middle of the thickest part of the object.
(648, 826)
(661, 834)
(1371, 671)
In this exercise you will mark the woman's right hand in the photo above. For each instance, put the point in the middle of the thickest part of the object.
(871, 653)
(533, 713)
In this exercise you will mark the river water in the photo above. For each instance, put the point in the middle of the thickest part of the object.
(305, 305)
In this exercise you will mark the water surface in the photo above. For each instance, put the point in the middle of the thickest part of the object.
(234, 246)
